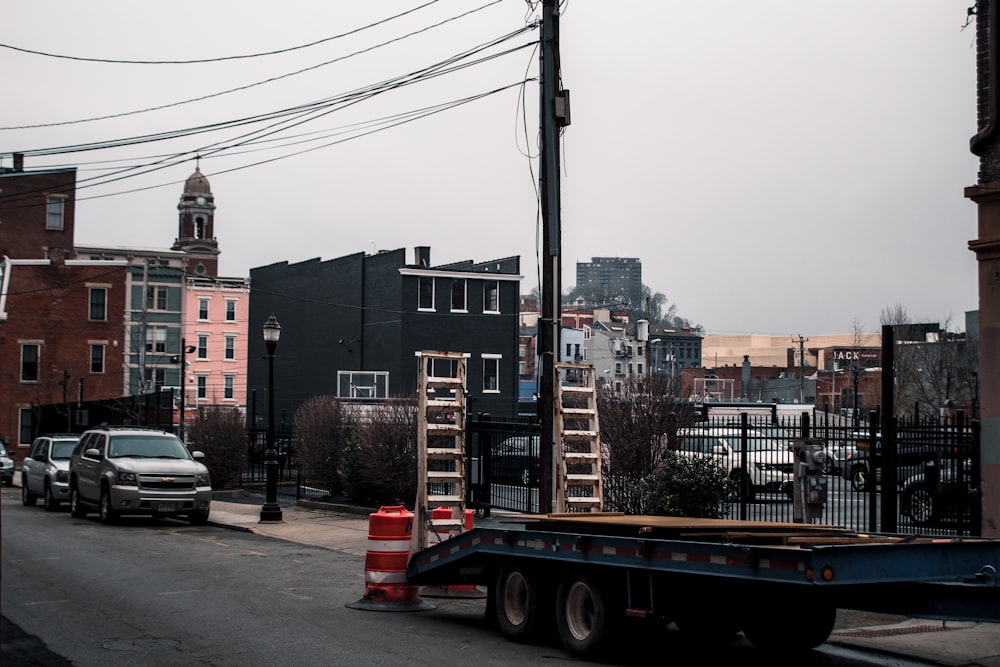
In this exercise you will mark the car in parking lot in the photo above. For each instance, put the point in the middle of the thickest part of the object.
(45, 470)
(517, 460)
(941, 490)
(6, 467)
(769, 466)
(132, 471)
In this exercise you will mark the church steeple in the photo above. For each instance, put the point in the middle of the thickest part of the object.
(196, 226)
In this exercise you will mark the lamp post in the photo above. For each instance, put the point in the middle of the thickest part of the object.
(182, 360)
(271, 511)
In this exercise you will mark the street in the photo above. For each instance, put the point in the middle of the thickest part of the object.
(164, 592)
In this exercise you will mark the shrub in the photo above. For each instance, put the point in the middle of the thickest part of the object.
(324, 429)
(380, 467)
(220, 433)
(693, 486)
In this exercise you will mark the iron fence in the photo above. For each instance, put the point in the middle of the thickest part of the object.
(931, 466)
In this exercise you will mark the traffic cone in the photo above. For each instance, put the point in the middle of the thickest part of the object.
(386, 589)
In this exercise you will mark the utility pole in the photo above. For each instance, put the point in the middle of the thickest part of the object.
(802, 368)
(553, 114)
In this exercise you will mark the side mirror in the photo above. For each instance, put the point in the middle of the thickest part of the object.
(93, 453)
(198, 455)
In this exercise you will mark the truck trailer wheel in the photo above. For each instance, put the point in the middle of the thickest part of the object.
(520, 604)
(585, 616)
(789, 627)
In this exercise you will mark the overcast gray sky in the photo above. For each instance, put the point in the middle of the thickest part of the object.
(779, 167)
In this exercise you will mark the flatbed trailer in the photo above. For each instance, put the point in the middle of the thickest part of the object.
(591, 575)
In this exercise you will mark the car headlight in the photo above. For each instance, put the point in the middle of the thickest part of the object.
(62, 475)
(202, 479)
(125, 478)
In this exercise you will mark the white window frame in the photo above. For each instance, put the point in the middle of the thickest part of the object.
(230, 310)
(230, 354)
(229, 386)
(491, 360)
(157, 296)
(156, 340)
(104, 304)
(464, 284)
(421, 281)
(102, 347)
(203, 306)
(491, 287)
(55, 213)
(201, 384)
(202, 349)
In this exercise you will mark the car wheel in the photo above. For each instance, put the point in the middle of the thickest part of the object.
(108, 514)
(919, 504)
(75, 508)
(526, 476)
(27, 497)
(859, 478)
(51, 504)
(198, 518)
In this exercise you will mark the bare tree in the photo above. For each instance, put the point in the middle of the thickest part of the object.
(381, 467)
(324, 428)
(220, 432)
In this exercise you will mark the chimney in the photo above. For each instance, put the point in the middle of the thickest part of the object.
(422, 256)
(18, 162)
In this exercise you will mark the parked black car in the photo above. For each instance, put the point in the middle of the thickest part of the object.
(942, 490)
(516, 460)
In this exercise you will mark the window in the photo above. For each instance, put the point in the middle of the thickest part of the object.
(98, 303)
(202, 386)
(97, 358)
(156, 378)
(203, 347)
(362, 384)
(156, 298)
(491, 373)
(199, 227)
(228, 382)
(202, 309)
(426, 296)
(442, 368)
(26, 425)
(458, 294)
(230, 311)
(491, 296)
(55, 208)
(230, 348)
(156, 339)
(29, 362)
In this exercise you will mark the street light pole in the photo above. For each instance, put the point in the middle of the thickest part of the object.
(182, 360)
(271, 511)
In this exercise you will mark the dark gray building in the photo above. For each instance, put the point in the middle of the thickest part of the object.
(352, 327)
(611, 280)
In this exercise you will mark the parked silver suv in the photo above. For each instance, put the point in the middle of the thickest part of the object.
(45, 470)
(119, 471)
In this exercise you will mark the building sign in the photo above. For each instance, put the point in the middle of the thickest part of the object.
(858, 354)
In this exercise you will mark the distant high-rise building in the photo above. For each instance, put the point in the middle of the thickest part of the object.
(611, 280)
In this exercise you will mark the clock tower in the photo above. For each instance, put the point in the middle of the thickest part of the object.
(196, 226)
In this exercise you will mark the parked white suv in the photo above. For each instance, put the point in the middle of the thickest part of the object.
(45, 470)
(769, 467)
(118, 471)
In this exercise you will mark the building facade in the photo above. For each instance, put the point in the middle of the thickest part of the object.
(352, 327)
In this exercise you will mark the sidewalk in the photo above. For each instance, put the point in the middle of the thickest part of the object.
(345, 529)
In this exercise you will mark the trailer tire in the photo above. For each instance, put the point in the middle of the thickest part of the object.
(520, 604)
(790, 627)
(585, 616)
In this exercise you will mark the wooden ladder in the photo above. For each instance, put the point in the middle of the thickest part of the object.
(578, 450)
(440, 448)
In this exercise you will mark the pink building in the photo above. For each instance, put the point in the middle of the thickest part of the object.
(215, 337)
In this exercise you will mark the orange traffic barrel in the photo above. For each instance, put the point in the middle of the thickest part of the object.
(386, 589)
(452, 590)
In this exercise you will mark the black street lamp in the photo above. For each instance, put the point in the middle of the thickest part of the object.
(182, 360)
(271, 511)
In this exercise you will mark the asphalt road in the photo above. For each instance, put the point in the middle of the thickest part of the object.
(165, 593)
